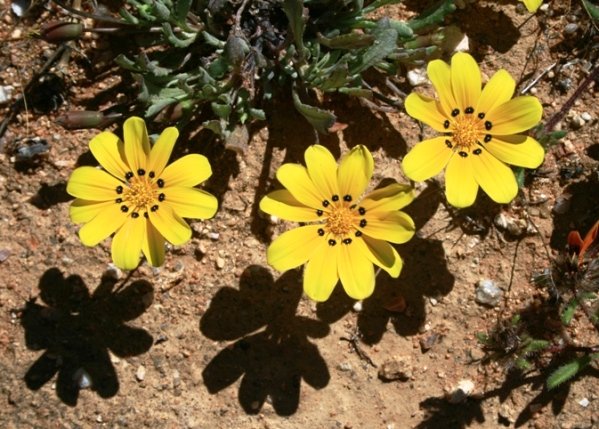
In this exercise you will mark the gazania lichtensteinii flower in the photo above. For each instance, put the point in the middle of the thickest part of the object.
(481, 132)
(347, 233)
(138, 195)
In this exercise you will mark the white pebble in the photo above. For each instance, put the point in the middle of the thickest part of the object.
(357, 306)
(586, 116)
(5, 93)
(213, 235)
(417, 77)
(464, 45)
(140, 374)
(584, 402)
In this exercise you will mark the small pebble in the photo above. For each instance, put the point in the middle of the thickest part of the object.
(463, 45)
(571, 28)
(357, 306)
(220, 263)
(113, 272)
(417, 77)
(395, 370)
(140, 374)
(4, 254)
(213, 235)
(487, 293)
(82, 378)
(5, 93)
(586, 116)
(461, 392)
(577, 122)
(345, 367)
(427, 343)
(584, 402)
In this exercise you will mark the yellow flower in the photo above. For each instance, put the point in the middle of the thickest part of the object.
(480, 132)
(138, 195)
(348, 234)
(532, 5)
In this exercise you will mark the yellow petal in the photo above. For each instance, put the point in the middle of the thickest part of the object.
(108, 149)
(127, 242)
(465, 80)
(427, 159)
(162, 149)
(282, 204)
(355, 271)
(293, 248)
(296, 179)
(426, 110)
(153, 246)
(395, 226)
(137, 143)
(187, 171)
(532, 5)
(496, 178)
(93, 184)
(355, 171)
(170, 225)
(460, 186)
(518, 150)
(102, 225)
(322, 169)
(515, 116)
(382, 254)
(82, 211)
(498, 90)
(190, 202)
(320, 273)
(391, 197)
(439, 73)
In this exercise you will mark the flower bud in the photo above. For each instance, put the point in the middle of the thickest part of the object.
(85, 119)
(59, 31)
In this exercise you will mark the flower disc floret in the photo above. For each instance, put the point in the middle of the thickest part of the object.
(481, 132)
(137, 195)
(346, 233)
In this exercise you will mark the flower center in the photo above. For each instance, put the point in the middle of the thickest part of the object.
(466, 131)
(141, 193)
(340, 221)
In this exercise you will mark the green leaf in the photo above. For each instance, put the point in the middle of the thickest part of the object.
(566, 372)
(320, 119)
(215, 126)
(568, 312)
(483, 338)
(128, 64)
(174, 40)
(162, 11)
(434, 17)
(385, 43)
(127, 16)
(353, 40)
(294, 9)
(158, 106)
(592, 10)
(520, 176)
(522, 364)
(535, 346)
(357, 92)
(221, 110)
(181, 10)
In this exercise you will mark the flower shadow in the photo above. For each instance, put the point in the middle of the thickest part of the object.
(76, 330)
(272, 361)
(412, 286)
